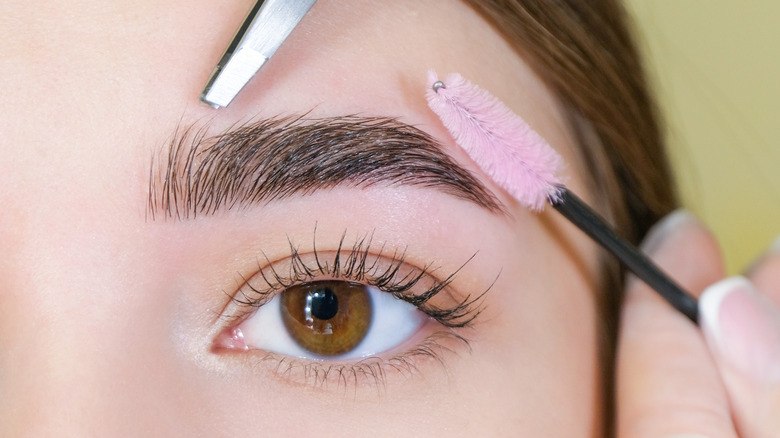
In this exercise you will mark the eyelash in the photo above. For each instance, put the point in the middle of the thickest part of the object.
(358, 267)
(363, 263)
(371, 370)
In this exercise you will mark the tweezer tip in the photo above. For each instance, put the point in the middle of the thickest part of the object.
(231, 76)
(205, 100)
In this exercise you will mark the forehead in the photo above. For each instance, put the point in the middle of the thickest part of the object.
(97, 92)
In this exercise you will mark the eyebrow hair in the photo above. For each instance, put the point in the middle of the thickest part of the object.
(272, 159)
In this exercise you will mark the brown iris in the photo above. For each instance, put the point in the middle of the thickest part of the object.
(329, 317)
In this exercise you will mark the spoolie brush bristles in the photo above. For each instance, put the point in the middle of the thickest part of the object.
(501, 143)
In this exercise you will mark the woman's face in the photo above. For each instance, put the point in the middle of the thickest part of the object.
(124, 279)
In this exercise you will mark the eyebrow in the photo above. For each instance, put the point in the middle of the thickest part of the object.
(273, 159)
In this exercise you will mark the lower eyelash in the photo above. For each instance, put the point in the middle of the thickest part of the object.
(371, 371)
(362, 264)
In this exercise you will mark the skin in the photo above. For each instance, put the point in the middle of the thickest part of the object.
(109, 317)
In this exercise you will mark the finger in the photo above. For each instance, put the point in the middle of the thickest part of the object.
(765, 273)
(742, 328)
(667, 383)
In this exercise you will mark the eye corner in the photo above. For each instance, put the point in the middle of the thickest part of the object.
(229, 339)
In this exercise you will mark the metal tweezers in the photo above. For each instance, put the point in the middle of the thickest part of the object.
(268, 24)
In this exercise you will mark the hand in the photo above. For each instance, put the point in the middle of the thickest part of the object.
(674, 379)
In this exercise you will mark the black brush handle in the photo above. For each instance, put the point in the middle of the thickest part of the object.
(587, 220)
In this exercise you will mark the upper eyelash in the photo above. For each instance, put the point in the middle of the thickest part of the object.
(361, 264)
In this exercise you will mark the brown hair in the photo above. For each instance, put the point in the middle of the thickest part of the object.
(585, 53)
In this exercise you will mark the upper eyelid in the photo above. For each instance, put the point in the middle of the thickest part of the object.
(274, 158)
(293, 249)
(357, 270)
(463, 311)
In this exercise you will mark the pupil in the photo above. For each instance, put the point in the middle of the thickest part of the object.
(324, 304)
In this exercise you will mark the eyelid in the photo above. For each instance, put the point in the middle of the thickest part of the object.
(367, 262)
(390, 274)
(436, 348)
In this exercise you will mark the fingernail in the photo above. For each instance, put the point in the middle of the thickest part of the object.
(742, 327)
(673, 221)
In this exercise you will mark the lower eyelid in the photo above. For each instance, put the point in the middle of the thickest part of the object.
(434, 349)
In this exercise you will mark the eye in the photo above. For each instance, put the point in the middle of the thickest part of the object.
(327, 320)
(353, 314)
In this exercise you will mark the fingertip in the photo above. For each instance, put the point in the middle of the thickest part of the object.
(774, 248)
(666, 227)
(765, 273)
(710, 303)
(742, 328)
(685, 249)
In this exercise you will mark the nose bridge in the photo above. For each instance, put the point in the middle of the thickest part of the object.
(51, 384)
(55, 377)
(76, 369)
(61, 307)
(70, 244)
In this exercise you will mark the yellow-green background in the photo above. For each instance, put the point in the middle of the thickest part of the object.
(716, 70)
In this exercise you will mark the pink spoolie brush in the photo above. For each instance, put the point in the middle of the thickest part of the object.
(521, 162)
(502, 144)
